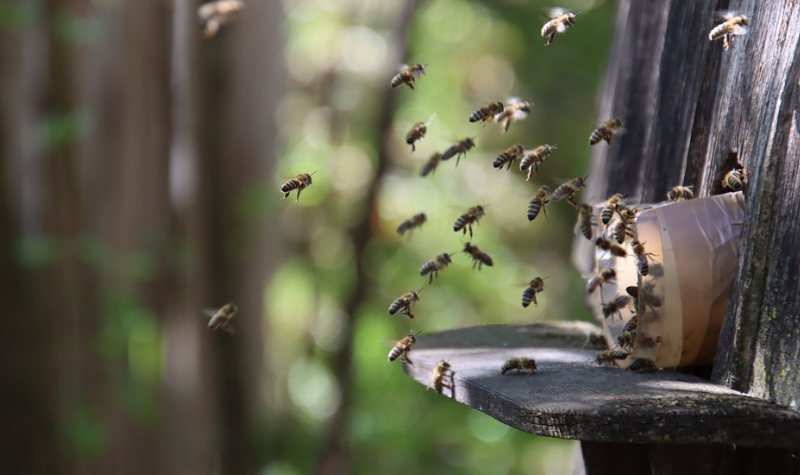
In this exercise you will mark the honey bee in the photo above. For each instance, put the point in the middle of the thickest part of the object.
(519, 363)
(609, 357)
(734, 179)
(487, 112)
(633, 291)
(625, 340)
(680, 193)
(540, 199)
(611, 246)
(404, 302)
(600, 278)
(561, 19)
(584, 224)
(299, 183)
(464, 222)
(632, 324)
(407, 75)
(221, 319)
(461, 148)
(731, 27)
(479, 257)
(606, 131)
(641, 258)
(431, 164)
(442, 372)
(532, 158)
(434, 265)
(624, 225)
(610, 207)
(642, 365)
(418, 132)
(615, 306)
(508, 157)
(535, 286)
(213, 15)
(514, 110)
(403, 348)
(569, 189)
(413, 222)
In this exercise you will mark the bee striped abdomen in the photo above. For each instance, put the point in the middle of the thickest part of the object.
(528, 296)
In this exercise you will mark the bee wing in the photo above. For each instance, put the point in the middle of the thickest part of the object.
(206, 11)
(416, 73)
(561, 27)
(724, 15)
(738, 30)
(210, 312)
(519, 114)
(430, 118)
(555, 12)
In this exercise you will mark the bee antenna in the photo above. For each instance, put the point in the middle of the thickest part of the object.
(545, 278)
(315, 171)
(422, 288)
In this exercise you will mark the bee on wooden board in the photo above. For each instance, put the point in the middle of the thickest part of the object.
(680, 193)
(479, 258)
(561, 20)
(734, 179)
(609, 357)
(407, 75)
(606, 131)
(442, 377)
(299, 183)
(569, 189)
(459, 149)
(403, 347)
(532, 159)
(732, 26)
(600, 278)
(610, 246)
(642, 365)
(632, 323)
(585, 221)
(465, 221)
(615, 306)
(418, 132)
(431, 164)
(412, 223)
(535, 286)
(624, 226)
(487, 113)
(519, 363)
(508, 157)
(608, 209)
(213, 15)
(514, 110)
(625, 340)
(221, 319)
(641, 258)
(434, 265)
(539, 201)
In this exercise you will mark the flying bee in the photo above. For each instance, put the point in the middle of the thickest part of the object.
(642, 365)
(514, 110)
(600, 278)
(442, 377)
(431, 164)
(609, 357)
(607, 130)
(299, 183)
(407, 75)
(418, 132)
(641, 258)
(519, 363)
(734, 179)
(561, 19)
(585, 218)
(615, 306)
(411, 223)
(404, 302)
(680, 193)
(479, 257)
(508, 157)
(213, 15)
(465, 221)
(459, 149)
(403, 348)
(540, 199)
(624, 225)
(486, 113)
(532, 158)
(625, 340)
(632, 324)
(221, 319)
(569, 189)
(535, 286)
(610, 207)
(731, 27)
(434, 265)
(610, 246)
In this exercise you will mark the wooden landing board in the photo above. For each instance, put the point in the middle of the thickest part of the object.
(572, 398)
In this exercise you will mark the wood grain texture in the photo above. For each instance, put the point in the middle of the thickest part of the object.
(572, 398)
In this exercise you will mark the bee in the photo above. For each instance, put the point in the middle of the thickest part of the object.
(464, 222)
(610, 207)
(641, 258)
(608, 357)
(479, 257)
(585, 218)
(569, 189)
(642, 365)
(615, 306)
(734, 179)
(461, 148)
(403, 348)
(407, 75)
(434, 265)
(600, 278)
(514, 110)
(299, 183)
(519, 363)
(404, 302)
(418, 132)
(213, 15)
(632, 324)
(731, 27)
(409, 224)
(487, 112)
(535, 286)
(625, 340)
(508, 157)
(540, 199)
(532, 158)
(221, 319)
(624, 225)
(608, 245)
(431, 164)
(607, 130)
(561, 19)
(442, 372)
(680, 193)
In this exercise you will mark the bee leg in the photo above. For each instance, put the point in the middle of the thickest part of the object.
(430, 278)
(297, 198)
(550, 39)
(545, 211)
(286, 195)
(406, 359)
